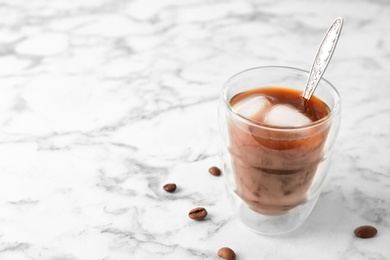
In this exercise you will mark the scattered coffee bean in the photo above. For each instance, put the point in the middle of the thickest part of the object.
(198, 213)
(365, 231)
(170, 187)
(226, 253)
(215, 171)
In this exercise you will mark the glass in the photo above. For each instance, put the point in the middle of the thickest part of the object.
(274, 174)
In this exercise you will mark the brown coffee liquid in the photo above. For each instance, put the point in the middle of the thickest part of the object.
(274, 167)
(314, 109)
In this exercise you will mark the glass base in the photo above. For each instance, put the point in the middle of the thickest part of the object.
(271, 225)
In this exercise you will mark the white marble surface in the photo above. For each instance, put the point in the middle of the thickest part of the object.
(102, 102)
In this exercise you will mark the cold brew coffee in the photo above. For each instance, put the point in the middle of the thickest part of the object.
(275, 147)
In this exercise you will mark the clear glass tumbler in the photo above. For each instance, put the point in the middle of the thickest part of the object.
(274, 174)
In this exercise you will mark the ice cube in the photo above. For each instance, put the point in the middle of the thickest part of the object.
(284, 115)
(252, 106)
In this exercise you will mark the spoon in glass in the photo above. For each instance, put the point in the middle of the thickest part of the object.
(323, 56)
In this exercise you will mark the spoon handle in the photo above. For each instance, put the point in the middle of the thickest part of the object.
(323, 56)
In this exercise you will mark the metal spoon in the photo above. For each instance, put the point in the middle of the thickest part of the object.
(323, 56)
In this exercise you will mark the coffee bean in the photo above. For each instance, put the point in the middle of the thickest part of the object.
(226, 253)
(170, 187)
(215, 171)
(198, 213)
(365, 231)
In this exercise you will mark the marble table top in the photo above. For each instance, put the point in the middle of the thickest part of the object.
(104, 101)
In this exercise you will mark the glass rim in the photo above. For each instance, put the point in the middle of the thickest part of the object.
(328, 117)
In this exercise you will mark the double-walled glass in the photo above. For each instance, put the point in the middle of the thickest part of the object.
(274, 175)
